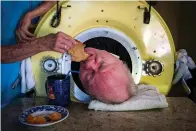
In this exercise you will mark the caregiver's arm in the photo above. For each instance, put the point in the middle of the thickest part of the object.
(42, 9)
(59, 42)
(22, 31)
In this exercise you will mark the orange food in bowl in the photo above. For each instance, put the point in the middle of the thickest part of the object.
(30, 119)
(55, 116)
(36, 119)
(40, 120)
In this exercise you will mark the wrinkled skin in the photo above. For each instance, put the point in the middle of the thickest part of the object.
(59, 42)
(22, 32)
(105, 77)
(62, 42)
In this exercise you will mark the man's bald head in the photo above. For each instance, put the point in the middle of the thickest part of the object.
(105, 77)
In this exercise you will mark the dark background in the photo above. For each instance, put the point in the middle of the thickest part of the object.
(180, 17)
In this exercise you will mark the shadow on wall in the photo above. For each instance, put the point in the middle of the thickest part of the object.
(181, 20)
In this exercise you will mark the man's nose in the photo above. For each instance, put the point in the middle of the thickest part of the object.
(93, 62)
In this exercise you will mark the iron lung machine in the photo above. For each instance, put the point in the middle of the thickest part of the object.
(146, 39)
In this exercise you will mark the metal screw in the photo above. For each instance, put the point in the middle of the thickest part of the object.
(134, 48)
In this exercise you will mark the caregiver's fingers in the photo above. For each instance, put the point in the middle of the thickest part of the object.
(62, 46)
(57, 42)
(68, 44)
(67, 37)
(59, 50)
(19, 38)
(29, 34)
(24, 36)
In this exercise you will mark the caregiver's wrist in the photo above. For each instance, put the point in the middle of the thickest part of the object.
(44, 44)
(30, 15)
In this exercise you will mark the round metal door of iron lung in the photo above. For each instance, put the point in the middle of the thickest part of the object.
(152, 41)
(115, 42)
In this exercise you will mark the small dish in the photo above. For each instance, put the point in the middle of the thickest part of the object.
(43, 110)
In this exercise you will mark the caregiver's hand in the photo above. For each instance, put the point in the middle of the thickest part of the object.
(59, 42)
(22, 32)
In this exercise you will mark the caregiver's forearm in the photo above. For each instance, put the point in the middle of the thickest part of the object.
(21, 51)
(42, 9)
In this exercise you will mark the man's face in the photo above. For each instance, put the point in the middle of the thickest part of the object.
(105, 77)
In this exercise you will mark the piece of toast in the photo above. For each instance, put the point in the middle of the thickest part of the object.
(77, 52)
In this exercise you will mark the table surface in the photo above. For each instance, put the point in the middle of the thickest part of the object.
(180, 115)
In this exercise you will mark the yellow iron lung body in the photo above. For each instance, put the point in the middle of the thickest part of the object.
(153, 40)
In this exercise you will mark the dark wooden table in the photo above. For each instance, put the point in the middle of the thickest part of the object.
(179, 116)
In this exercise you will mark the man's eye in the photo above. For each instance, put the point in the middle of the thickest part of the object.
(101, 65)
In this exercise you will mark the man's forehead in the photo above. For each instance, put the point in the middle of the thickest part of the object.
(110, 53)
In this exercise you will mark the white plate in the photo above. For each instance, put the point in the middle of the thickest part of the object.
(43, 110)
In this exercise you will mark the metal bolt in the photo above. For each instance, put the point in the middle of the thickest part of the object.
(134, 48)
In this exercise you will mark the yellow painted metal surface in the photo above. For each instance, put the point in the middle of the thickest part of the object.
(40, 75)
(154, 40)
